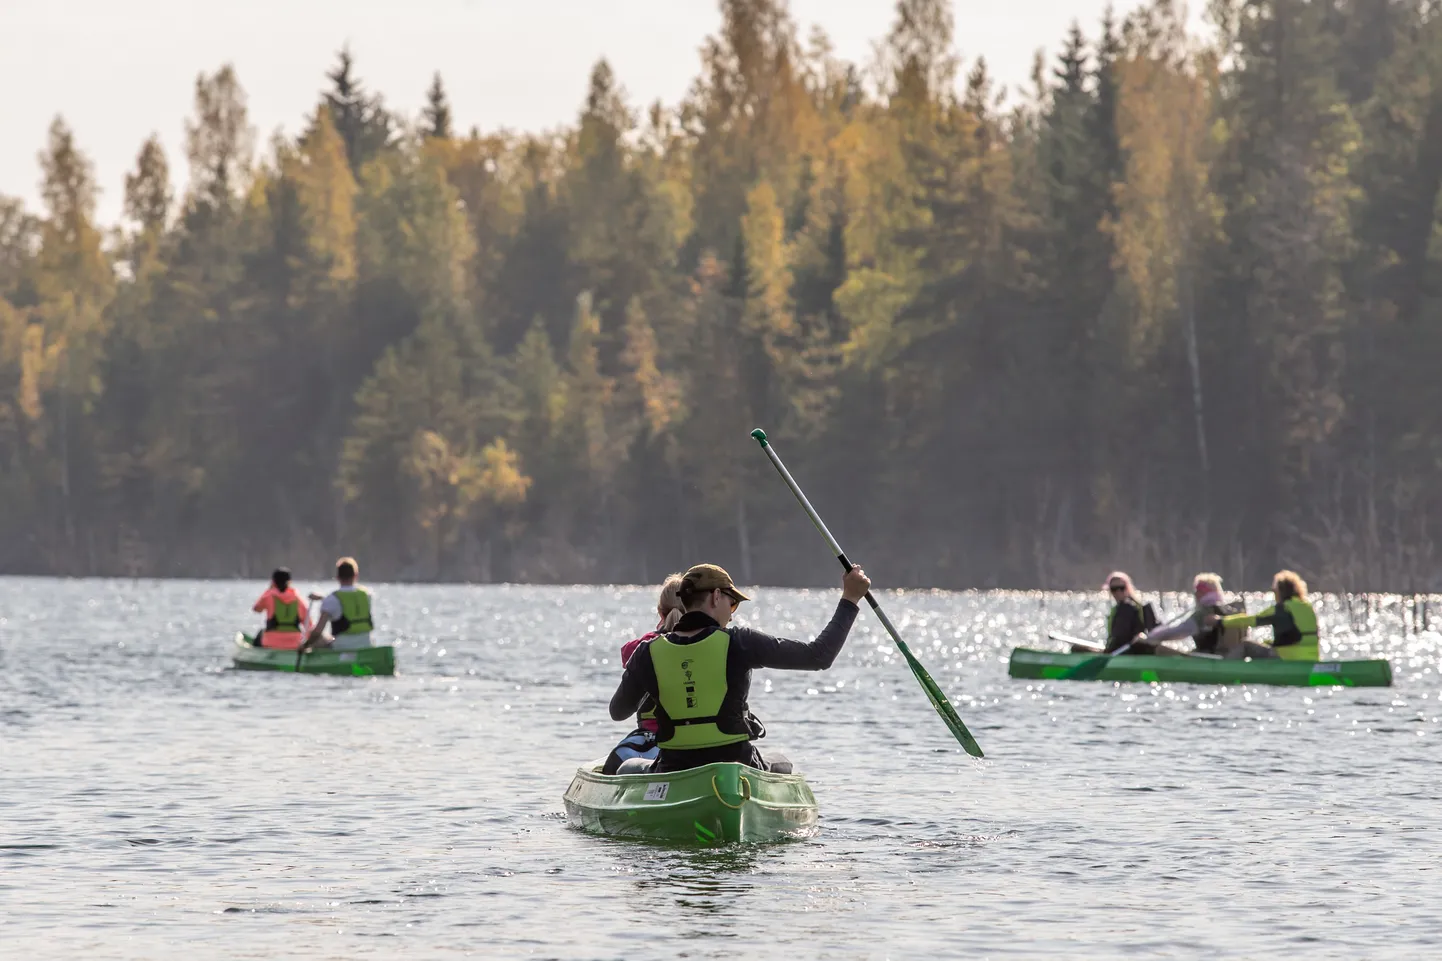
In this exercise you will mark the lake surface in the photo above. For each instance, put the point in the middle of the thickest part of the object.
(156, 804)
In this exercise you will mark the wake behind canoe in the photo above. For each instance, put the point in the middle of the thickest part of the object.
(1051, 665)
(358, 663)
(712, 804)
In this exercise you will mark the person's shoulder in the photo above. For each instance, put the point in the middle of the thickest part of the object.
(745, 635)
(638, 650)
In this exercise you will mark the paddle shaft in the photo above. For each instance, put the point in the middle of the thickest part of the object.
(830, 541)
(1067, 639)
(933, 692)
(300, 652)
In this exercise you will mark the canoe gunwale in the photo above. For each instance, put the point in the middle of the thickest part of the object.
(723, 802)
(362, 662)
(1033, 664)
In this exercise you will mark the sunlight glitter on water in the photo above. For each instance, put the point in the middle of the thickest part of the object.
(156, 801)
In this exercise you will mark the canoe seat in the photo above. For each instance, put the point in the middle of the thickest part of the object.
(635, 765)
(775, 763)
(778, 763)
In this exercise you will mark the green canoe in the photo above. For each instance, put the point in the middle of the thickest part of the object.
(713, 804)
(361, 663)
(1051, 665)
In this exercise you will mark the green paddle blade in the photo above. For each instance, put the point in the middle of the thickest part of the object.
(1088, 670)
(938, 700)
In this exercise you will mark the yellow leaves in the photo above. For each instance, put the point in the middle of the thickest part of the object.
(32, 367)
(39, 364)
(870, 300)
(1164, 208)
(452, 485)
(501, 480)
(768, 266)
(326, 192)
(660, 392)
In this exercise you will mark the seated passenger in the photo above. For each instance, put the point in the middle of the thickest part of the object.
(1292, 619)
(347, 610)
(1203, 625)
(642, 741)
(1130, 619)
(285, 613)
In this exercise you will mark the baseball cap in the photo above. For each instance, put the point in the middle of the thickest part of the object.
(709, 577)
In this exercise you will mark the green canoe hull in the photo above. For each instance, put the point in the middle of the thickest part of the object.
(713, 804)
(1051, 665)
(362, 663)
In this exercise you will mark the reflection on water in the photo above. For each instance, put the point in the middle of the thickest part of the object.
(153, 801)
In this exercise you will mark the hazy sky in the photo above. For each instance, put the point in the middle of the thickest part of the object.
(118, 70)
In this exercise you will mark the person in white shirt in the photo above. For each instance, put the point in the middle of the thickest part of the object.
(347, 610)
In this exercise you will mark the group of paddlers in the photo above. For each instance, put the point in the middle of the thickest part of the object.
(347, 610)
(687, 682)
(1215, 625)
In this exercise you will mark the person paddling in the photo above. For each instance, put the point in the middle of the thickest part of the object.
(1292, 619)
(642, 741)
(1203, 625)
(285, 613)
(699, 674)
(1129, 619)
(347, 610)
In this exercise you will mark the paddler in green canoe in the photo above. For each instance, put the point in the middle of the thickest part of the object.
(1130, 619)
(347, 610)
(1292, 619)
(286, 617)
(699, 673)
(1204, 627)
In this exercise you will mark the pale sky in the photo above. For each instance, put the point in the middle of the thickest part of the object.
(118, 70)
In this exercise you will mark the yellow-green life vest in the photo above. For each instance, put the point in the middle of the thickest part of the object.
(355, 612)
(692, 688)
(284, 616)
(1305, 619)
(1304, 622)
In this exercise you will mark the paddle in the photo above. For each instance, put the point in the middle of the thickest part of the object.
(300, 652)
(933, 692)
(1092, 667)
(1075, 641)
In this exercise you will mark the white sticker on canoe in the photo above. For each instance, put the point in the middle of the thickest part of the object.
(1326, 668)
(656, 791)
(347, 658)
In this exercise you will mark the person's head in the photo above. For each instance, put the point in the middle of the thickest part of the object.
(281, 578)
(345, 571)
(669, 607)
(1287, 585)
(1206, 585)
(709, 589)
(1119, 586)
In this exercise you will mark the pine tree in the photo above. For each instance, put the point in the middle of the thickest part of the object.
(360, 118)
(437, 114)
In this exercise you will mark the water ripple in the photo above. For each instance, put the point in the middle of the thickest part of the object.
(154, 800)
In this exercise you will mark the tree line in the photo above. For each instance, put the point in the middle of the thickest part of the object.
(1173, 307)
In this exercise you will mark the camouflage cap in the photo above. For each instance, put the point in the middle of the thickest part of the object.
(709, 577)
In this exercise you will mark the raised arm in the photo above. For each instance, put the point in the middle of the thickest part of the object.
(783, 653)
(763, 650)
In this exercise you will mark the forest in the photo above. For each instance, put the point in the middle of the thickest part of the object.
(1173, 307)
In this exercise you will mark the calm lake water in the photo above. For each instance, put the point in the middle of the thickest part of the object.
(155, 803)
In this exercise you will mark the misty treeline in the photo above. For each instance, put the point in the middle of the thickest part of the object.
(1174, 307)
